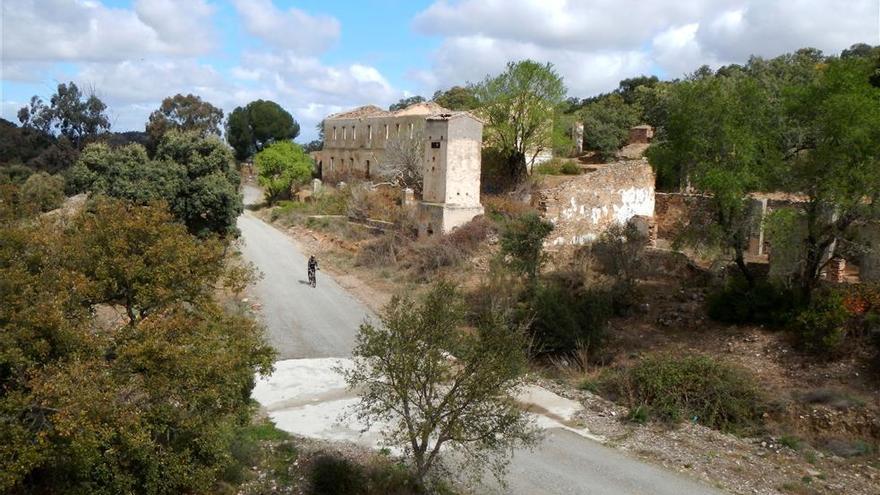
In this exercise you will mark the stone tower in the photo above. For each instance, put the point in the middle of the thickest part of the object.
(451, 191)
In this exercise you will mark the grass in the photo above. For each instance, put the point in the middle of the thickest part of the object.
(790, 441)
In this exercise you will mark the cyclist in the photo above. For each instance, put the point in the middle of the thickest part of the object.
(313, 266)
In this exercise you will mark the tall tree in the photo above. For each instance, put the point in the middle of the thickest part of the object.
(75, 115)
(250, 128)
(405, 102)
(607, 122)
(456, 98)
(184, 113)
(836, 165)
(722, 137)
(519, 106)
(409, 378)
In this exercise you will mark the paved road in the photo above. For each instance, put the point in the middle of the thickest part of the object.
(302, 322)
(310, 323)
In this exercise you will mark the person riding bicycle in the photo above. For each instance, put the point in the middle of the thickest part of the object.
(313, 266)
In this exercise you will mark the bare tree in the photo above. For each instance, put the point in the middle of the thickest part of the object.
(402, 164)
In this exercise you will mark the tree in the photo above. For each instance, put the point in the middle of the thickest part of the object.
(722, 137)
(522, 243)
(249, 129)
(519, 106)
(139, 405)
(44, 191)
(74, 115)
(194, 175)
(409, 378)
(314, 145)
(402, 164)
(607, 122)
(628, 87)
(456, 98)
(184, 113)
(836, 165)
(405, 102)
(280, 166)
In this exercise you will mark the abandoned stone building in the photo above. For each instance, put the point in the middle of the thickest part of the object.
(357, 142)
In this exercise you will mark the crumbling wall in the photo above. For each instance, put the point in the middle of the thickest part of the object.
(672, 212)
(584, 206)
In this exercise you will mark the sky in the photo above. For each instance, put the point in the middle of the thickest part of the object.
(317, 57)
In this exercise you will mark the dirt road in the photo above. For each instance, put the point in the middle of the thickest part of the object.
(322, 322)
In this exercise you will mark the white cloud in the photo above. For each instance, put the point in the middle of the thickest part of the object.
(595, 44)
(70, 30)
(293, 29)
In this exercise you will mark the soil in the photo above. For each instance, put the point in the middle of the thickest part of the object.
(823, 431)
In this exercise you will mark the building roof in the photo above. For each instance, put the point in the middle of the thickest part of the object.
(451, 114)
(642, 126)
(360, 112)
(423, 108)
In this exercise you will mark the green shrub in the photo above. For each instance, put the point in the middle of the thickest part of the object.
(765, 303)
(570, 168)
(821, 327)
(522, 243)
(694, 388)
(564, 320)
(426, 257)
(337, 476)
(620, 253)
(44, 191)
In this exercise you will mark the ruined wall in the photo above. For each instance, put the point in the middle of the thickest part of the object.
(584, 206)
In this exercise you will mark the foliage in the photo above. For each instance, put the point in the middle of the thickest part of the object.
(522, 242)
(722, 137)
(692, 388)
(251, 128)
(456, 98)
(405, 102)
(835, 161)
(620, 253)
(430, 399)
(38, 150)
(313, 145)
(519, 106)
(425, 258)
(44, 191)
(337, 476)
(139, 405)
(821, 326)
(281, 166)
(565, 320)
(76, 116)
(765, 303)
(558, 166)
(193, 174)
(185, 113)
(606, 124)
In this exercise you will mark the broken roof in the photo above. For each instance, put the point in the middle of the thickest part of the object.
(423, 108)
(360, 112)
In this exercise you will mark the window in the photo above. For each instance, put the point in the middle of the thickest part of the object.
(370, 132)
(344, 133)
(398, 130)
(368, 169)
(386, 131)
(334, 133)
(331, 161)
(411, 130)
(354, 132)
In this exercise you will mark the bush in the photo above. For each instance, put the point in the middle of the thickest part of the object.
(385, 250)
(821, 327)
(503, 207)
(564, 320)
(522, 242)
(336, 476)
(620, 253)
(570, 168)
(696, 388)
(765, 303)
(44, 191)
(426, 257)
(280, 166)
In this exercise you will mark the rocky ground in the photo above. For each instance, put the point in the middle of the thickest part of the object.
(823, 407)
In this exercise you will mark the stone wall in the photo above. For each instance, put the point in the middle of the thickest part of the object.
(582, 207)
(672, 210)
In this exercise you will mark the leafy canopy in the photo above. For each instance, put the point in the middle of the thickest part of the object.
(184, 113)
(409, 378)
(280, 166)
(252, 127)
(519, 106)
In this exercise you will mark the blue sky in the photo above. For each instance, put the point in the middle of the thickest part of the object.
(317, 57)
